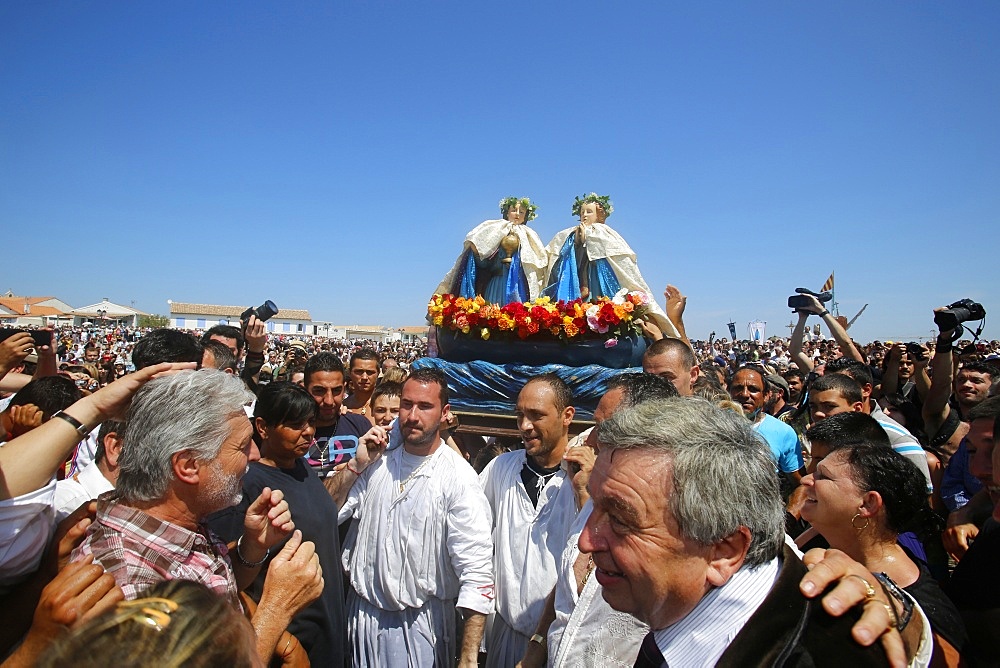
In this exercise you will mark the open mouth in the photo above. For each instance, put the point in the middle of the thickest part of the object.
(607, 577)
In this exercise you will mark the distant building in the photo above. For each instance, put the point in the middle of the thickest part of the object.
(106, 312)
(205, 316)
(18, 311)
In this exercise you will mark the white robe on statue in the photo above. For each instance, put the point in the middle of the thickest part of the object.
(529, 542)
(604, 243)
(413, 556)
(485, 239)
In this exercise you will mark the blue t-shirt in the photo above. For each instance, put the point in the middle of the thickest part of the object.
(784, 443)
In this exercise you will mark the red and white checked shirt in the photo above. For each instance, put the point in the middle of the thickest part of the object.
(140, 550)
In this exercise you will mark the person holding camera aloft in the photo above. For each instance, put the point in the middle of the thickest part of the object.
(949, 429)
(806, 304)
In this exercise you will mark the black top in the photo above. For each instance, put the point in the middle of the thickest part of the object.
(941, 612)
(535, 478)
(321, 627)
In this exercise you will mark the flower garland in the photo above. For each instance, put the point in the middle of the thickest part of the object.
(604, 318)
(508, 203)
(603, 201)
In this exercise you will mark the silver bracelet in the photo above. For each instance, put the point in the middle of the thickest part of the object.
(250, 564)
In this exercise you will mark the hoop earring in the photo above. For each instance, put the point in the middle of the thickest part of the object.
(854, 522)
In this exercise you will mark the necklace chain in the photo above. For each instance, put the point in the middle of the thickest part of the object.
(415, 472)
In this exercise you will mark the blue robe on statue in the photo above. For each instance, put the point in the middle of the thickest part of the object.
(506, 282)
(564, 276)
(481, 270)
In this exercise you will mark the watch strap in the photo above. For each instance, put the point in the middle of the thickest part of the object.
(80, 428)
(892, 589)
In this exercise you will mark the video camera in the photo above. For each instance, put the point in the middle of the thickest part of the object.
(264, 312)
(796, 302)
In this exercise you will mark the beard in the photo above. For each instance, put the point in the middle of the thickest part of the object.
(226, 490)
(419, 439)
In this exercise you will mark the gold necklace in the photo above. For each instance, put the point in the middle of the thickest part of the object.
(415, 472)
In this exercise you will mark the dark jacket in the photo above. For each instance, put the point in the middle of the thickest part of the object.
(791, 630)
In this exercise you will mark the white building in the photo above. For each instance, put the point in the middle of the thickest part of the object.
(16, 311)
(106, 312)
(205, 316)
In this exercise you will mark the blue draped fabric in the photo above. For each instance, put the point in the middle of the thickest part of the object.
(464, 284)
(564, 280)
(507, 281)
(482, 387)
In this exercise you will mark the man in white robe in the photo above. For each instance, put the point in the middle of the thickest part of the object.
(533, 505)
(421, 544)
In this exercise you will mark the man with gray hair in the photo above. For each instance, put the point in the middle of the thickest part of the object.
(687, 535)
(187, 445)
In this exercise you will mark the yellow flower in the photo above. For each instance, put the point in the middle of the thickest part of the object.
(438, 320)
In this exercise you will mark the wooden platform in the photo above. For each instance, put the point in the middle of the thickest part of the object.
(487, 424)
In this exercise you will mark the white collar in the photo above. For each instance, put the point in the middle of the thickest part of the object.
(704, 634)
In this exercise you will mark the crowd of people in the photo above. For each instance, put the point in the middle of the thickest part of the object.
(230, 497)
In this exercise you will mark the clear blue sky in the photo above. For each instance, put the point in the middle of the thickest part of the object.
(331, 156)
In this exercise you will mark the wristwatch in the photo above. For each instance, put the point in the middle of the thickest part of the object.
(81, 428)
(894, 590)
(538, 638)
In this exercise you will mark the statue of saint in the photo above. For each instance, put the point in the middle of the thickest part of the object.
(592, 260)
(502, 260)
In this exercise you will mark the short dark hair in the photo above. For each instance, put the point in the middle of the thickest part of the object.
(365, 354)
(982, 367)
(107, 427)
(859, 371)
(325, 361)
(223, 354)
(387, 389)
(166, 345)
(226, 332)
(49, 393)
(563, 394)
(428, 377)
(666, 345)
(639, 386)
(794, 373)
(986, 409)
(847, 429)
(840, 382)
(284, 402)
(757, 370)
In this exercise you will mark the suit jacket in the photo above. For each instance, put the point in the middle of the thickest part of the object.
(791, 630)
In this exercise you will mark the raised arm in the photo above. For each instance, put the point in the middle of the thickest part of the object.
(676, 303)
(890, 377)
(935, 410)
(29, 461)
(795, 344)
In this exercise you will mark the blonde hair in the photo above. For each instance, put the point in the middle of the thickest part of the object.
(178, 623)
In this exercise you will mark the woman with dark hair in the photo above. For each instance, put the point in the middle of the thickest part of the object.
(284, 420)
(860, 498)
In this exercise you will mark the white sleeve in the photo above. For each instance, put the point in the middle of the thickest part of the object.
(27, 522)
(470, 547)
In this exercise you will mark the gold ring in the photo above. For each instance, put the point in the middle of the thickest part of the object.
(869, 590)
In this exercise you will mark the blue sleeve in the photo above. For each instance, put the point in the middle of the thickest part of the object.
(957, 486)
(791, 453)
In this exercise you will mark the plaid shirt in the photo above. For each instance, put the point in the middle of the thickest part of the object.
(140, 550)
